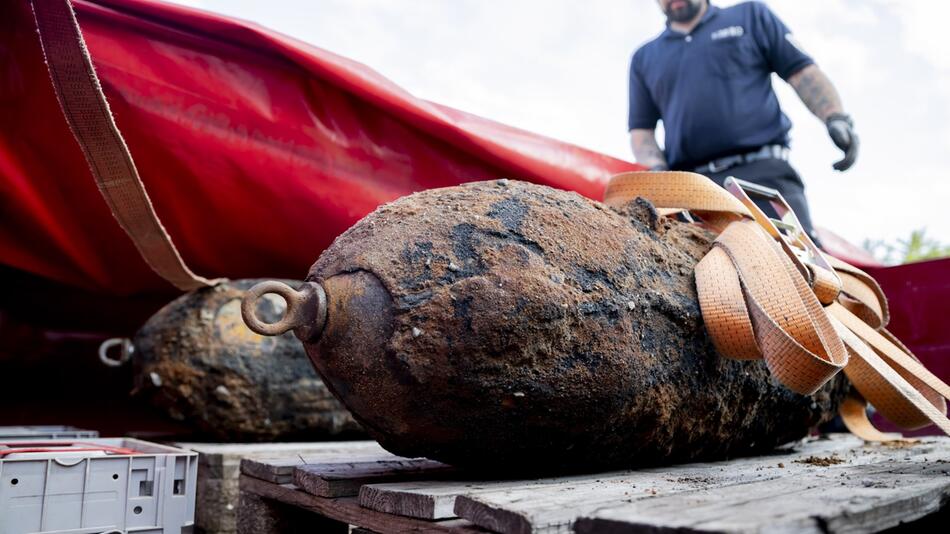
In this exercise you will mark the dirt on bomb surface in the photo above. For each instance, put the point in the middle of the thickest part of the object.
(509, 324)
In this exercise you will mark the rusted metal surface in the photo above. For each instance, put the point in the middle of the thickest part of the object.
(197, 360)
(508, 324)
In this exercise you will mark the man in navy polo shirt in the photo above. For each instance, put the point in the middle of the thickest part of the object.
(708, 78)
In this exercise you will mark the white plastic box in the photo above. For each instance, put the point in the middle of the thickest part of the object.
(45, 432)
(96, 486)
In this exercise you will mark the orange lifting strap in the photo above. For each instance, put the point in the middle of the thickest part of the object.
(768, 294)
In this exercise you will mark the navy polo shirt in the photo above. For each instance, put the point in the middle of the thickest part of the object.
(712, 87)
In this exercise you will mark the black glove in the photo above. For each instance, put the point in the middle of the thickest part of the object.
(841, 130)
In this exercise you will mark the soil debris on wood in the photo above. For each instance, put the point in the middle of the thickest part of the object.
(900, 443)
(697, 480)
(821, 461)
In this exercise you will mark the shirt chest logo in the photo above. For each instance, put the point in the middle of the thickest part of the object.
(731, 32)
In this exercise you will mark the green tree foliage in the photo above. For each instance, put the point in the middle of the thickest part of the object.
(918, 247)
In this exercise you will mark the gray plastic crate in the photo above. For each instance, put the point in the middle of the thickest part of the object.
(70, 489)
(45, 432)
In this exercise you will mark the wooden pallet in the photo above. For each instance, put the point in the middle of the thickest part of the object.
(219, 467)
(834, 483)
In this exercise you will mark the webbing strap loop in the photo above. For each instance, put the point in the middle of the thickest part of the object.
(756, 303)
(87, 112)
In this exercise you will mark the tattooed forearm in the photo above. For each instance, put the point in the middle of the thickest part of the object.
(645, 149)
(816, 91)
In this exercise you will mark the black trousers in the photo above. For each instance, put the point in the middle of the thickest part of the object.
(777, 174)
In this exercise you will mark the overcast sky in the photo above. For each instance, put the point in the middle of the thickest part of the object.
(559, 68)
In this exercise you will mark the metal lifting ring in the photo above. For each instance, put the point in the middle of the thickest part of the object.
(306, 309)
(125, 354)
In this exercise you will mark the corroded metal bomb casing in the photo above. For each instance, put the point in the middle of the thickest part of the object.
(196, 360)
(504, 323)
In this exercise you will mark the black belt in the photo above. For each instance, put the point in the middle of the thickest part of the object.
(766, 152)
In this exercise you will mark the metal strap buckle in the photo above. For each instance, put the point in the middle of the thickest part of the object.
(787, 229)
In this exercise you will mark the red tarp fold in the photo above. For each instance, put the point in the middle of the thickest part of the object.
(257, 149)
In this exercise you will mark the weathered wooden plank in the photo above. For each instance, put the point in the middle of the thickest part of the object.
(553, 507)
(846, 498)
(436, 499)
(279, 468)
(345, 479)
(348, 510)
(224, 459)
(424, 499)
(260, 515)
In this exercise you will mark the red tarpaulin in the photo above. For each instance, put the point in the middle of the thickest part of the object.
(258, 149)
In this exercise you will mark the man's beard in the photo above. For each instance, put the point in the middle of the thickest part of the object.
(686, 13)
